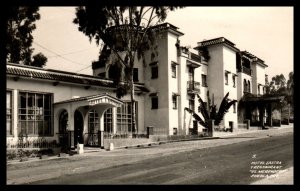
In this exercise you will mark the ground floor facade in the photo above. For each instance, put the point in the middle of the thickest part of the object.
(71, 109)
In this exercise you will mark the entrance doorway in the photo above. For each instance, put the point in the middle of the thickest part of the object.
(63, 134)
(78, 128)
(63, 121)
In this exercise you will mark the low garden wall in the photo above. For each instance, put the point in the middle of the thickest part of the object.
(127, 142)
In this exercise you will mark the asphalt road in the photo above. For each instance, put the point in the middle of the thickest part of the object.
(225, 164)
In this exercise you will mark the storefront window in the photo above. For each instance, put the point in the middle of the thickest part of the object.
(34, 113)
(124, 124)
(8, 113)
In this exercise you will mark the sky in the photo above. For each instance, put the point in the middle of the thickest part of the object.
(266, 32)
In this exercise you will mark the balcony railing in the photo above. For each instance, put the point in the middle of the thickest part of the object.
(195, 57)
(193, 87)
(247, 71)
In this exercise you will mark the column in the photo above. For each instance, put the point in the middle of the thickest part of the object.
(15, 119)
(114, 119)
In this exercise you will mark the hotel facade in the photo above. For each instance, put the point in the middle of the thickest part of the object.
(50, 103)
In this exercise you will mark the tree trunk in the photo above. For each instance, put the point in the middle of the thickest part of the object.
(133, 122)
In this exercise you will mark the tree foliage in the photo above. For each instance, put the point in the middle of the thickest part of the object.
(20, 24)
(126, 33)
(279, 86)
(210, 112)
(39, 60)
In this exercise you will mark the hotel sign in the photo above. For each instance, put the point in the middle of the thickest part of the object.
(104, 100)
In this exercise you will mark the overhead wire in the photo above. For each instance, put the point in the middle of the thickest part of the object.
(57, 54)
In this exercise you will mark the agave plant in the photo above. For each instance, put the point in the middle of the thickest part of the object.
(209, 111)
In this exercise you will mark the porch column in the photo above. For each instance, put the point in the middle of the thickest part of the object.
(70, 128)
(100, 112)
(270, 114)
(16, 129)
(261, 116)
(85, 128)
(114, 119)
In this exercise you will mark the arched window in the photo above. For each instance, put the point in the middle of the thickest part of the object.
(249, 87)
(245, 86)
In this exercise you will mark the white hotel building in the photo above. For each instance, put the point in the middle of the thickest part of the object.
(47, 103)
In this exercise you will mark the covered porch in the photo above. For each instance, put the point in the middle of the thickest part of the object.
(262, 111)
(72, 120)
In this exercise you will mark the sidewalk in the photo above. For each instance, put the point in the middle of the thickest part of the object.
(34, 170)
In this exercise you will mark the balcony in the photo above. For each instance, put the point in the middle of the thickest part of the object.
(247, 71)
(193, 87)
(195, 57)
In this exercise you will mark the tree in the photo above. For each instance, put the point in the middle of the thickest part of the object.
(39, 60)
(290, 87)
(209, 111)
(20, 24)
(279, 86)
(127, 33)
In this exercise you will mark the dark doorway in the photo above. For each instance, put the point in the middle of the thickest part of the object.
(78, 128)
(195, 127)
(231, 126)
(63, 134)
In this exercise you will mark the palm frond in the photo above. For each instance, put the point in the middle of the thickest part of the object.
(223, 110)
(202, 108)
(196, 117)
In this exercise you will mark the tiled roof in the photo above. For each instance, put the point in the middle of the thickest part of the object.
(17, 70)
(251, 56)
(215, 41)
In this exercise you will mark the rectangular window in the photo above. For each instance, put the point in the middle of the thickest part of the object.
(174, 101)
(154, 72)
(173, 71)
(191, 74)
(94, 123)
(35, 113)
(124, 123)
(154, 102)
(9, 113)
(108, 118)
(192, 104)
(204, 83)
(135, 74)
(226, 78)
(233, 80)
(258, 89)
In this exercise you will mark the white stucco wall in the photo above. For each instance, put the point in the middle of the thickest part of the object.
(158, 118)
(215, 76)
(63, 92)
(183, 98)
(229, 59)
(172, 82)
(258, 77)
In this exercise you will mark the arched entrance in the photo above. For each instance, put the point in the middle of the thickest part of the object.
(63, 133)
(78, 128)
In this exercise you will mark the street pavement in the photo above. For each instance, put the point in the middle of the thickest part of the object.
(32, 171)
